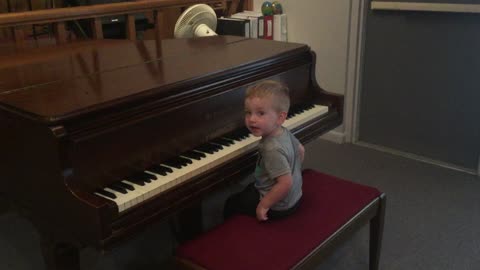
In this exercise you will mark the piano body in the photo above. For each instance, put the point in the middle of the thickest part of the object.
(101, 138)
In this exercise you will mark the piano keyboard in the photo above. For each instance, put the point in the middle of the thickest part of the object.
(141, 186)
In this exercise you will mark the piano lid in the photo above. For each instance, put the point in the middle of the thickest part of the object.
(55, 85)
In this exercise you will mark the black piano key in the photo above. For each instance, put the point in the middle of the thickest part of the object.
(204, 149)
(136, 181)
(167, 169)
(207, 148)
(137, 175)
(222, 141)
(238, 135)
(173, 163)
(159, 169)
(295, 111)
(107, 194)
(185, 160)
(124, 185)
(291, 113)
(178, 162)
(216, 146)
(147, 180)
(307, 106)
(299, 108)
(150, 176)
(138, 178)
(202, 155)
(150, 169)
(118, 189)
(244, 132)
(143, 176)
(194, 155)
(232, 136)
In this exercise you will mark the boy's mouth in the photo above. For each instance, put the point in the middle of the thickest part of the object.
(253, 128)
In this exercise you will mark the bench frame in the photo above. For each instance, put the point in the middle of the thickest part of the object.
(373, 213)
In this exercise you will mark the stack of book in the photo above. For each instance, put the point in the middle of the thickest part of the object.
(254, 24)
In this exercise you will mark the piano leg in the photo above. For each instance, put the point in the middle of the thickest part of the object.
(4, 204)
(60, 256)
(187, 223)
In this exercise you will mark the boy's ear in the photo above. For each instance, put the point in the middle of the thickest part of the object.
(282, 116)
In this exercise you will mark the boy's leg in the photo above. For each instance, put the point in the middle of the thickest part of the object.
(244, 202)
(272, 214)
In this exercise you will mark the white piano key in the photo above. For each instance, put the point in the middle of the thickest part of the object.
(123, 202)
(142, 190)
(305, 116)
(160, 185)
(136, 196)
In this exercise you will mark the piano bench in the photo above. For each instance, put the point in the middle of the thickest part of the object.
(331, 210)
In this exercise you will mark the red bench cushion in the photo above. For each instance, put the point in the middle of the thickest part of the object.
(242, 242)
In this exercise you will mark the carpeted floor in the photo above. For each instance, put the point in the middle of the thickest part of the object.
(432, 216)
(432, 219)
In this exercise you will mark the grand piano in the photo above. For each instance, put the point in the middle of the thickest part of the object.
(101, 138)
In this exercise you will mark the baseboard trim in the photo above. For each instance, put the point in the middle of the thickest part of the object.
(419, 6)
(418, 158)
(334, 136)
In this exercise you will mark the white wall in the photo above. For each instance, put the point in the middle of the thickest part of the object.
(334, 30)
(324, 26)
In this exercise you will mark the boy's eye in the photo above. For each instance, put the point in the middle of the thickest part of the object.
(261, 113)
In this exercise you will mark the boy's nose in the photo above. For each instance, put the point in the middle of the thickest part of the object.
(251, 118)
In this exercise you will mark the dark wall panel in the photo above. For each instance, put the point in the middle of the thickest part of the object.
(421, 84)
(434, 1)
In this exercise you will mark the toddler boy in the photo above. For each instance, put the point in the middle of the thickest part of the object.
(277, 189)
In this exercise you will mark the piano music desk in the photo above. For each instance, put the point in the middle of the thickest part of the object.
(332, 209)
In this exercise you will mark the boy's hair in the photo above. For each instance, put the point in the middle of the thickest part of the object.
(270, 88)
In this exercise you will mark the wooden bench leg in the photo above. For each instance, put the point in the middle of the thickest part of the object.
(376, 232)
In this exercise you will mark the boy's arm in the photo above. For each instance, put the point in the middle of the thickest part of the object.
(278, 192)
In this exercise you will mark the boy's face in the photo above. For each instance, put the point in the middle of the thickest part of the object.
(261, 118)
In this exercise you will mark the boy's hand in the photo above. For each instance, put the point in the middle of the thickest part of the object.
(262, 213)
(301, 152)
(278, 192)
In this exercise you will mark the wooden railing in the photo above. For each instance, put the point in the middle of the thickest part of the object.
(163, 10)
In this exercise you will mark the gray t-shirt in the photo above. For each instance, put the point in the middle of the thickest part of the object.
(279, 156)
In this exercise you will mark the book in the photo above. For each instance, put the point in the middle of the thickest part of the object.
(253, 23)
(233, 26)
(268, 27)
(280, 27)
(256, 22)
